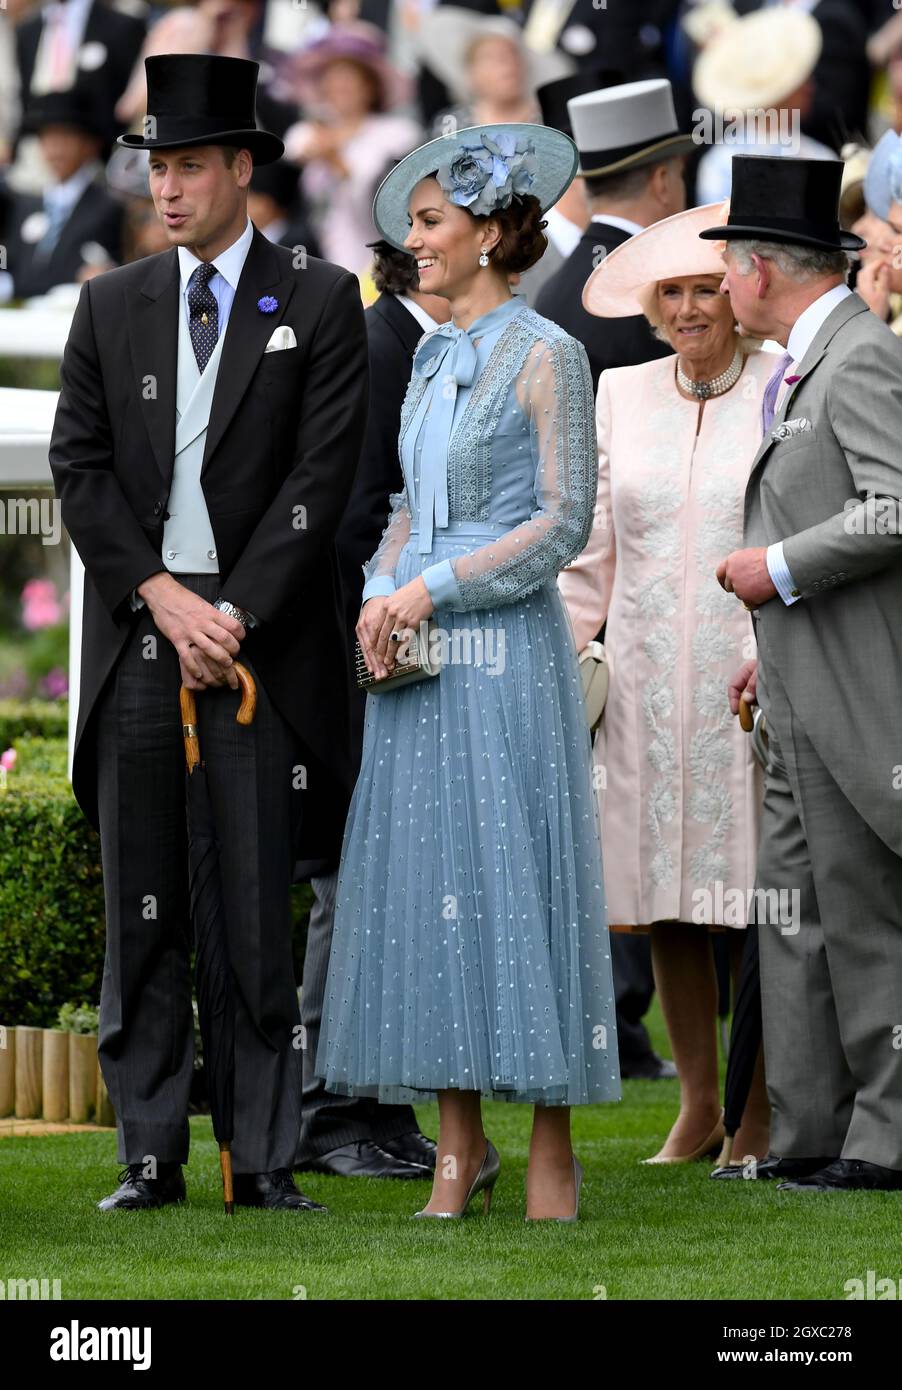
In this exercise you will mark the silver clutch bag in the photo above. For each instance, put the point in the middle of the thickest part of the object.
(415, 661)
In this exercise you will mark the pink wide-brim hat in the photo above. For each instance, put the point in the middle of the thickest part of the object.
(626, 281)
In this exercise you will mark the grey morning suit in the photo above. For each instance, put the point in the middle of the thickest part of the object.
(830, 685)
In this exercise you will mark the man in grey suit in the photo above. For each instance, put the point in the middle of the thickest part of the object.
(821, 572)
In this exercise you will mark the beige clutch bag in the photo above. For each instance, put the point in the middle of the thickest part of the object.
(593, 666)
(415, 661)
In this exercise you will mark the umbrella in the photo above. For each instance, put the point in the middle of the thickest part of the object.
(212, 969)
(746, 1030)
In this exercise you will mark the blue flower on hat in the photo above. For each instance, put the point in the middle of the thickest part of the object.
(267, 305)
(484, 177)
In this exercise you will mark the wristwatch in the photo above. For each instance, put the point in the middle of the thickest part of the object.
(246, 619)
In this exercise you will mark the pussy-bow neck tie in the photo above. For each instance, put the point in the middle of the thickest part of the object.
(449, 355)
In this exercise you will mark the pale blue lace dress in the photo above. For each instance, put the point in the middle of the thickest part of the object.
(470, 946)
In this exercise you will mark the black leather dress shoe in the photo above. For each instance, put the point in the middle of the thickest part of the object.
(362, 1159)
(137, 1193)
(847, 1175)
(771, 1168)
(275, 1190)
(652, 1068)
(412, 1148)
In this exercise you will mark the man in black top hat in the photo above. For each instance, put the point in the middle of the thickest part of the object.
(209, 424)
(77, 224)
(820, 571)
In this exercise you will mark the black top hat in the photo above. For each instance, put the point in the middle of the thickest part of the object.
(280, 180)
(795, 201)
(553, 96)
(203, 99)
(71, 108)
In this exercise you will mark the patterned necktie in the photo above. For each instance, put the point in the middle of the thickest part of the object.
(203, 321)
(771, 391)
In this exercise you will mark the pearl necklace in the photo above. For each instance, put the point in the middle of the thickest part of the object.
(702, 390)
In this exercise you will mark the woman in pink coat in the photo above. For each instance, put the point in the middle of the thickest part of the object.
(678, 785)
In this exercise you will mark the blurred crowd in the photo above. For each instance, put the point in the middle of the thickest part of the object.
(353, 86)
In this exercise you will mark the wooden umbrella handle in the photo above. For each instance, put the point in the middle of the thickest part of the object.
(746, 718)
(246, 711)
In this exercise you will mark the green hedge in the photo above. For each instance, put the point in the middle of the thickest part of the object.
(41, 718)
(52, 920)
(51, 890)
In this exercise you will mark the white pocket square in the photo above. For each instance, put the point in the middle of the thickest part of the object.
(788, 428)
(282, 338)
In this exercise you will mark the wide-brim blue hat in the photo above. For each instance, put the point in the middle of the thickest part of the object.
(484, 167)
(885, 160)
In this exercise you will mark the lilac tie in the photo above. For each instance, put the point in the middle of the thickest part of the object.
(771, 391)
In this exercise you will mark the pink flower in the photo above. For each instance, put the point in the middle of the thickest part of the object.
(55, 684)
(8, 759)
(40, 607)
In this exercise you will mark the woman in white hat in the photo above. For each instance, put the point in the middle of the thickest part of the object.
(756, 76)
(470, 954)
(678, 784)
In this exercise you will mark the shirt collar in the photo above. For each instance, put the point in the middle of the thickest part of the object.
(229, 263)
(806, 327)
(67, 10)
(68, 192)
(623, 223)
(426, 321)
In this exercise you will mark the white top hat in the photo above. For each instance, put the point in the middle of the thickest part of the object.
(625, 127)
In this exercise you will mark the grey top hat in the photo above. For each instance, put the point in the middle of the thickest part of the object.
(625, 127)
(480, 168)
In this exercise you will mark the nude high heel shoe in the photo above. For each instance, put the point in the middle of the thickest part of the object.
(578, 1180)
(484, 1182)
(708, 1148)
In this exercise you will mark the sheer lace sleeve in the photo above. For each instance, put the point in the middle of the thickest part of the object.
(379, 572)
(586, 584)
(554, 390)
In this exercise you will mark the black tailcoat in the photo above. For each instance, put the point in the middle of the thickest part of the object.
(282, 446)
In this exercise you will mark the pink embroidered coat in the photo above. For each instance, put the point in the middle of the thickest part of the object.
(679, 789)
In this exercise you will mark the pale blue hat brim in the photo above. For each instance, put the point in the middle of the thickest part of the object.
(556, 155)
(887, 154)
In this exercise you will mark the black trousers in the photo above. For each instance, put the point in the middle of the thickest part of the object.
(146, 1042)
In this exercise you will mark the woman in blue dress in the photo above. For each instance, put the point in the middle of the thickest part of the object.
(470, 953)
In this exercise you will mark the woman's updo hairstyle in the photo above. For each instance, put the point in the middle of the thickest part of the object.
(522, 241)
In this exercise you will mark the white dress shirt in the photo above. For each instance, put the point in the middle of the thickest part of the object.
(623, 223)
(229, 265)
(803, 333)
(426, 321)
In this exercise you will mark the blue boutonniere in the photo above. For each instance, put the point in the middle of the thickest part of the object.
(267, 305)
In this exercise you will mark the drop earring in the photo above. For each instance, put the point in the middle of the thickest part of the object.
(483, 257)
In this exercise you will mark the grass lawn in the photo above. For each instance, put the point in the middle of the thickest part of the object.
(644, 1232)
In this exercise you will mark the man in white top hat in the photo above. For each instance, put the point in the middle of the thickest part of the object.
(631, 156)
